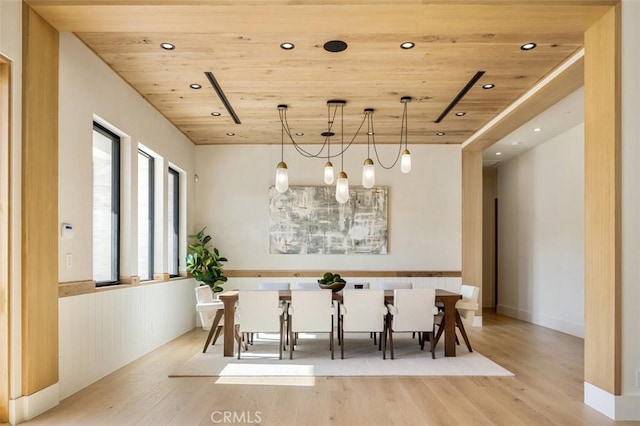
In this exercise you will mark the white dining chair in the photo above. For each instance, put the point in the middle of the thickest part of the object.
(260, 312)
(413, 311)
(310, 311)
(208, 310)
(363, 311)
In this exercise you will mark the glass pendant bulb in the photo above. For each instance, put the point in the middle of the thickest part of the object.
(405, 162)
(368, 174)
(282, 177)
(328, 173)
(342, 188)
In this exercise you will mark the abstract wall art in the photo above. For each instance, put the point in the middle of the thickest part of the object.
(309, 220)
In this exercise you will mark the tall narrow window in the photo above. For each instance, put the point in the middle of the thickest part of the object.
(106, 206)
(145, 216)
(173, 200)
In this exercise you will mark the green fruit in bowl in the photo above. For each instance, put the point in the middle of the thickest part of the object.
(328, 276)
(337, 277)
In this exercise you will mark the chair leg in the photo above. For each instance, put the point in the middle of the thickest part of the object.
(281, 336)
(463, 331)
(433, 349)
(239, 345)
(218, 332)
(214, 327)
(291, 339)
(341, 338)
(388, 331)
(331, 339)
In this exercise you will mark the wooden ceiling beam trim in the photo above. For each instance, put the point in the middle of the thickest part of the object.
(567, 78)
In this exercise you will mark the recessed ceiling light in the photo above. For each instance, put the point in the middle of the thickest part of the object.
(370, 133)
(498, 153)
(460, 114)
(231, 134)
(287, 46)
(215, 114)
(488, 86)
(515, 143)
(299, 134)
(407, 45)
(528, 46)
(440, 134)
(167, 46)
(195, 86)
(537, 129)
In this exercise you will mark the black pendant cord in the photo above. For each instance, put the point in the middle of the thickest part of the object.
(403, 127)
(342, 139)
(303, 152)
(282, 143)
(369, 133)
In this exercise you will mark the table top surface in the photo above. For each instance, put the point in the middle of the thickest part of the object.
(286, 294)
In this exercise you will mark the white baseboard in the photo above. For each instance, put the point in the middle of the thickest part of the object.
(616, 407)
(543, 320)
(28, 407)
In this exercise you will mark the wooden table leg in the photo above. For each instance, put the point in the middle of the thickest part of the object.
(450, 327)
(229, 324)
(214, 327)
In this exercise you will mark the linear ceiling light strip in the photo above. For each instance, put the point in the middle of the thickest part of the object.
(221, 95)
(460, 95)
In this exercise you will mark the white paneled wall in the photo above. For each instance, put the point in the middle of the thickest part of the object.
(451, 284)
(103, 331)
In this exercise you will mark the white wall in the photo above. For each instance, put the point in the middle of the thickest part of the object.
(103, 331)
(88, 88)
(424, 214)
(541, 234)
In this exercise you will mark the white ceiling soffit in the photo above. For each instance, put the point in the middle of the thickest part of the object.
(564, 115)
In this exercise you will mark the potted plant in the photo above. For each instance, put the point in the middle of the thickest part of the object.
(206, 265)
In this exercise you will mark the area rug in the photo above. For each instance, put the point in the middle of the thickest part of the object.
(312, 358)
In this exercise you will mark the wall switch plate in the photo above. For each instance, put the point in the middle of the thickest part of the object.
(68, 260)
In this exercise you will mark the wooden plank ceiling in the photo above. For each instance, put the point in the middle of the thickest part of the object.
(239, 42)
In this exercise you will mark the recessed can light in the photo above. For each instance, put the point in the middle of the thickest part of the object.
(515, 143)
(231, 134)
(488, 86)
(407, 45)
(167, 46)
(537, 129)
(440, 134)
(528, 46)
(287, 46)
(460, 114)
(299, 134)
(215, 114)
(195, 86)
(498, 153)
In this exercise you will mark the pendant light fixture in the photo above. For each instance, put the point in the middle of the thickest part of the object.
(405, 161)
(328, 167)
(342, 186)
(368, 171)
(282, 175)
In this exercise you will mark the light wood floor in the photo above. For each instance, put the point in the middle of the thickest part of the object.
(546, 390)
